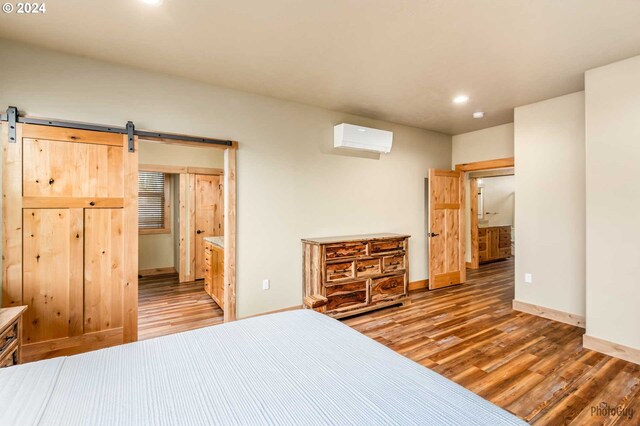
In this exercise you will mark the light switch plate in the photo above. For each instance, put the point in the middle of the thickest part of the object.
(528, 278)
(266, 284)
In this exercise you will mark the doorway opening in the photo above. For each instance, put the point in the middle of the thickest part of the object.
(490, 205)
(181, 198)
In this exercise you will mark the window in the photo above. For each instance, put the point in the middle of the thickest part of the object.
(153, 203)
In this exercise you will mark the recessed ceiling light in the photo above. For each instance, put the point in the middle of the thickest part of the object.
(460, 99)
(478, 114)
(152, 2)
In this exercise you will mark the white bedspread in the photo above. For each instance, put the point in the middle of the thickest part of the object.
(296, 367)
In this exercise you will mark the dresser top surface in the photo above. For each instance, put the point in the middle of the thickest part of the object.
(9, 315)
(352, 238)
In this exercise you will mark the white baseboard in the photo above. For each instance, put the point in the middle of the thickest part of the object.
(548, 313)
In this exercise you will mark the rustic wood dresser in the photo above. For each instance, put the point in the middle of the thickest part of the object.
(348, 275)
(10, 335)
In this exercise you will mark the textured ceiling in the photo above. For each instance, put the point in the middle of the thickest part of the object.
(396, 60)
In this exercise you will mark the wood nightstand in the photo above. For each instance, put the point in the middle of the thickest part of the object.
(10, 335)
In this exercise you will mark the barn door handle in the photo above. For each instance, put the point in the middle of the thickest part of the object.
(432, 234)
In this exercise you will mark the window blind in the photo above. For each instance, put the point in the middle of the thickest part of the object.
(151, 200)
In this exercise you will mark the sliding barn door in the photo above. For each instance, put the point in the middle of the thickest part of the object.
(70, 238)
(209, 214)
(446, 228)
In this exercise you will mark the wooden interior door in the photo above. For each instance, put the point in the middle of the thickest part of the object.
(208, 215)
(70, 238)
(446, 228)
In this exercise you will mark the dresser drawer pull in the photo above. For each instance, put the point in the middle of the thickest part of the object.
(369, 267)
(341, 271)
(394, 263)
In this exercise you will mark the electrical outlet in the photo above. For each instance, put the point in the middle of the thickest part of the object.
(528, 278)
(266, 284)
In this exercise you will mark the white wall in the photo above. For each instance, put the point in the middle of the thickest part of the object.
(157, 250)
(291, 183)
(550, 200)
(499, 198)
(613, 202)
(486, 144)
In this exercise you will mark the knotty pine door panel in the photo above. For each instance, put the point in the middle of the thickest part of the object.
(446, 228)
(47, 274)
(70, 238)
(208, 214)
(67, 169)
(103, 263)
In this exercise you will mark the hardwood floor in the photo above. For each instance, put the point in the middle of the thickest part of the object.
(167, 307)
(533, 367)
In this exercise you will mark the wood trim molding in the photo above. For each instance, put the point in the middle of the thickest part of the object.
(183, 276)
(612, 349)
(205, 171)
(418, 285)
(549, 313)
(157, 271)
(192, 227)
(486, 165)
(473, 201)
(162, 168)
(229, 187)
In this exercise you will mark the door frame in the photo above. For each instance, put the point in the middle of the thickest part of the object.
(186, 184)
(480, 166)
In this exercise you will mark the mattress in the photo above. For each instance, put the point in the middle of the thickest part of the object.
(296, 367)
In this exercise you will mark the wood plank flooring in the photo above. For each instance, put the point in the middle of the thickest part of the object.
(533, 367)
(166, 306)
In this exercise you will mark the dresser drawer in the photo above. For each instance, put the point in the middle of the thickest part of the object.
(207, 258)
(482, 232)
(337, 251)
(7, 338)
(393, 263)
(387, 288)
(386, 246)
(504, 242)
(504, 252)
(366, 268)
(505, 230)
(339, 271)
(346, 295)
(10, 358)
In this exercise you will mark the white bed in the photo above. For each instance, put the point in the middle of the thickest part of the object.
(297, 367)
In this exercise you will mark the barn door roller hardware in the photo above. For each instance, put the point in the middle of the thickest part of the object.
(13, 117)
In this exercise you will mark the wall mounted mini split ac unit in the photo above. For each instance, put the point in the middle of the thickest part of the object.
(362, 138)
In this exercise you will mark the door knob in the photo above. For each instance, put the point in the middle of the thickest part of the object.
(199, 231)
(432, 234)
